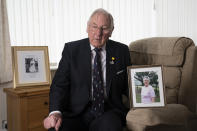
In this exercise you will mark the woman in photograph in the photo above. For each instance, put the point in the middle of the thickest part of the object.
(147, 92)
(32, 67)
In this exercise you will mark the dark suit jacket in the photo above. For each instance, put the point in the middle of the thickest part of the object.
(70, 89)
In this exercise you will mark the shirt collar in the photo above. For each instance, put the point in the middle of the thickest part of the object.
(103, 47)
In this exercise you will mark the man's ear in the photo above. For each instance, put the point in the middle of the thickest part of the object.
(111, 32)
(87, 28)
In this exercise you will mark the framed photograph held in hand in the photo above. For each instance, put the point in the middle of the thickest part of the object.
(146, 86)
(30, 66)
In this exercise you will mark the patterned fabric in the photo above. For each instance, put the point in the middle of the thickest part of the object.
(98, 89)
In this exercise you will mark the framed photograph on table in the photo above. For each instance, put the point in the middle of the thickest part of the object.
(30, 66)
(146, 86)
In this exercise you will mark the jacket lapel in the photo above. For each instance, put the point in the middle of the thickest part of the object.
(110, 66)
(85, 62)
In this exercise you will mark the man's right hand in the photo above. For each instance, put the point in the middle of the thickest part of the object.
(53, 121)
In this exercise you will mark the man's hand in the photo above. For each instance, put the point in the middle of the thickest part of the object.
(53, 121)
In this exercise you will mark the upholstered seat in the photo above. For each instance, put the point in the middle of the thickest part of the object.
(178, 55)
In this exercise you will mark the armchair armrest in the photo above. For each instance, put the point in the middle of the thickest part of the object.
(171, 115)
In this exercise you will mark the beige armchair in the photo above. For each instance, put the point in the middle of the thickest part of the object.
(178, 55)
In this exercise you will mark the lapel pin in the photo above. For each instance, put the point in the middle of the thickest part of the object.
(112, 60)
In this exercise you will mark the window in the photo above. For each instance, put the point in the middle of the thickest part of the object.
(55, 22)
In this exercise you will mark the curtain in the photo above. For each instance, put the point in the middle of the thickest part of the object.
(5, 49)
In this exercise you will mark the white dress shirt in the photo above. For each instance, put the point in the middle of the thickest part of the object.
(103, 66)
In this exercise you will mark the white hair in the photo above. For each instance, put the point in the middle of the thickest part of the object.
(104, 12)
(146, 78)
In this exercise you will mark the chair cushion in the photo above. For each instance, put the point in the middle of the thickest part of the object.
(148, 51)
(171, 114)
(172, 81)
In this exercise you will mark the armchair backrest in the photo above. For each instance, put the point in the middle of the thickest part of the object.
(178, 55)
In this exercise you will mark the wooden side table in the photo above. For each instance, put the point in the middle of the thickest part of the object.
(27, 107)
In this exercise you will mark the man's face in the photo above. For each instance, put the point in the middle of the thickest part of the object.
(99, 30)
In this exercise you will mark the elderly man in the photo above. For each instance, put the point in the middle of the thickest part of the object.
(86, 92)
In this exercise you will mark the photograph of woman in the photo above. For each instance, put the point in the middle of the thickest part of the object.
(147, 91)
